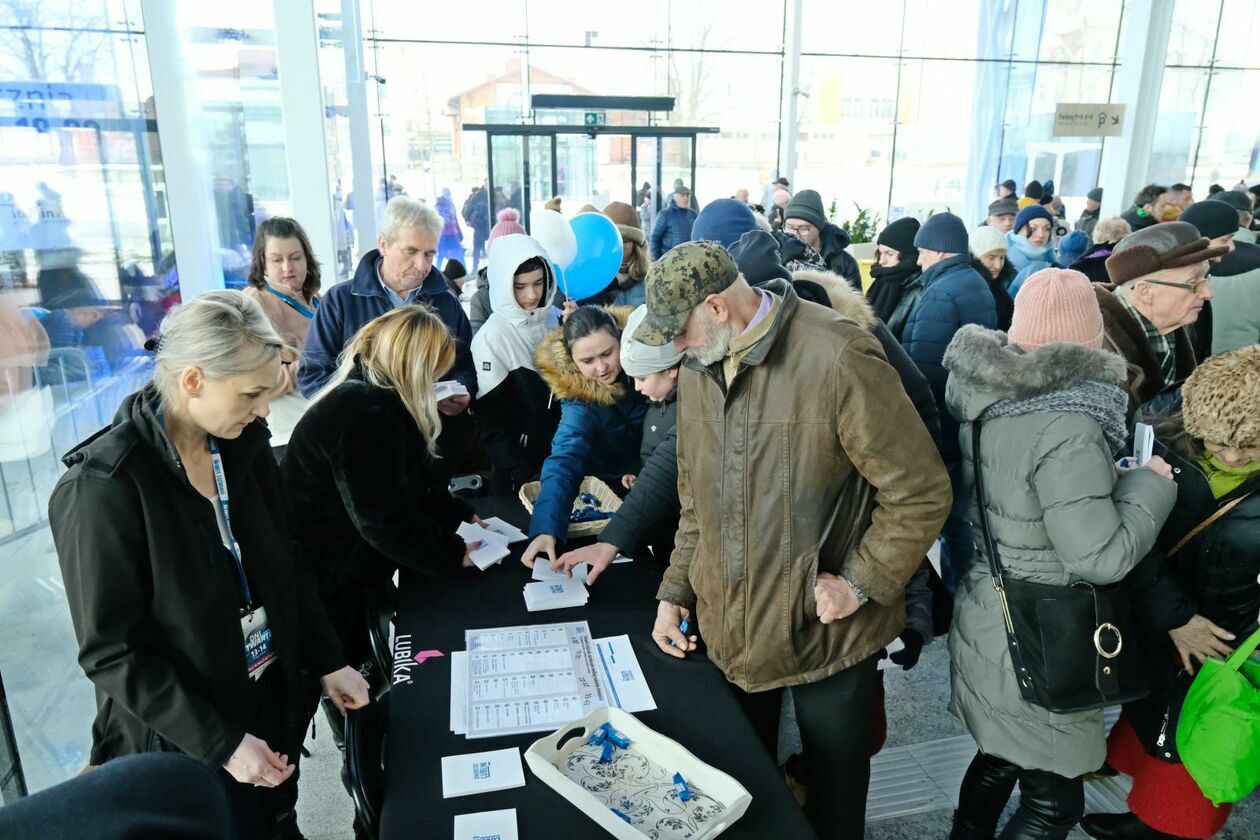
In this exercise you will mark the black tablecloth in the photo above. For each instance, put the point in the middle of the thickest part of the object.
(695, 705)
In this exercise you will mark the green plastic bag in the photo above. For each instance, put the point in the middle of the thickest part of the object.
(1218, 734)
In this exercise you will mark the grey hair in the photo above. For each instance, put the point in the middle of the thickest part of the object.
(1111, 230)
(223, 333)
(403, 213)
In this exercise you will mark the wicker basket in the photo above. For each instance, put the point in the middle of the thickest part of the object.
(609, 501)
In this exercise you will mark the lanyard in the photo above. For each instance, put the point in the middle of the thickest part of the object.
(302, 309)
(220, 486)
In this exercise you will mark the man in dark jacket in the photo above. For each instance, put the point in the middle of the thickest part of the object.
(477, 214)
(804, 219)
(1235, 277)
(1089, 217)
(1148, 207)
(953, 294)
(400, 271)
(673, 224)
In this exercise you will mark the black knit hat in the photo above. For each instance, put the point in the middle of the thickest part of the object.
(1239, 201)
(1095, 194)
(807, 205)
(1034, 190)
(899, 235)
(1212, 218)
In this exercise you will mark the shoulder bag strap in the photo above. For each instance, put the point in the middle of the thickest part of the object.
(1198, 529)
(995, 565)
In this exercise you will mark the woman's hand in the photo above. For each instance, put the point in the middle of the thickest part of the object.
(1200, 637)
(1160, 467)
(346, 688)
(542, 544)
(254, 763)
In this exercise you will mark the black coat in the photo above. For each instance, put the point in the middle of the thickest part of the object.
(154, 595)
(517, 421)
(365, 499)
(1214, 575)
(1093, 264)
(650, 512)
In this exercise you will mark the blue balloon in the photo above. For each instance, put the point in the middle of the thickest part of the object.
(599, 253)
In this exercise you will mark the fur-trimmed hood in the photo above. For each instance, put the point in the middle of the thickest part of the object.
(562, 376)
(985, 368)
(847, 301)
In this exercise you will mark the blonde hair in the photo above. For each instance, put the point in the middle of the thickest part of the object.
(405, 350)
(223, 333)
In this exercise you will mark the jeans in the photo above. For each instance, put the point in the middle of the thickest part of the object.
(959, 548)
(835, 716)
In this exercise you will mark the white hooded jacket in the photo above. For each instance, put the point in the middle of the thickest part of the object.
(510, 335)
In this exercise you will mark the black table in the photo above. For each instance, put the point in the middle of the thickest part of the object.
(695, 704)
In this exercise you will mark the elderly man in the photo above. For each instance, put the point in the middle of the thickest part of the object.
(1002, 214)
(400, 271)
(810, 490)
(1159, 285)
(673, 224)
(1242, 206)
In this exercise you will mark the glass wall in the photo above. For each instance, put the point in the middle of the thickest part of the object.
(1202, 135)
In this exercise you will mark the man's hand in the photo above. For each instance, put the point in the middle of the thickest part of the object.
(254, 763)
(836, 600)
(1200, 637)
(346, 688)
(454, 405)
(627, 481)
(597, 556)
(908, 656)
(542, 544)
(667, 633)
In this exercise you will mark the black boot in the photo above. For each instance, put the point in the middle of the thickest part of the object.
(984, 793)
(1121, 827)
(1049, 806)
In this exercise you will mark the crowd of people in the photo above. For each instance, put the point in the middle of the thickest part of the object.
(790, 439)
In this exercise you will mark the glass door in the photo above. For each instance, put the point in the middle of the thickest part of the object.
(539, 177)
(507, 175)
(647, 189)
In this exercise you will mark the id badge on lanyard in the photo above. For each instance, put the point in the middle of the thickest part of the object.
(259, 652)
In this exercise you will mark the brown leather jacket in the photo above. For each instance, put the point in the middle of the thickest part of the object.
(812, 460)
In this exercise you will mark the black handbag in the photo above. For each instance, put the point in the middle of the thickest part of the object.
(1073, 647)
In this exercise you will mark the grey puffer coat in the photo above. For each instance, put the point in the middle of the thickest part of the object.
(1059, 513)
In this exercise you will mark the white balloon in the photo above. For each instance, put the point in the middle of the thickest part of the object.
(553, 232)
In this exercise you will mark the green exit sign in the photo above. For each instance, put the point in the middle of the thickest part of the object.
(595, 118)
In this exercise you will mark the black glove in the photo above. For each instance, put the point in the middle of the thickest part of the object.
(908, 656)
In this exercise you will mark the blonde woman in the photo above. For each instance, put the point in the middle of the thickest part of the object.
(194, 622)
(364, 492)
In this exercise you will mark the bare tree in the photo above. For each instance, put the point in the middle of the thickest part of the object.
(689, 83)
(28, 49)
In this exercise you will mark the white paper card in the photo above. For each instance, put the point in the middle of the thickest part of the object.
(487, 825)
(1143, 443)
(493, 547)
(505, 529)
(459, 691)
(449, 388)
(627, 688)
(481, 772)
(621, 558)
(543, 571)
(934, 557)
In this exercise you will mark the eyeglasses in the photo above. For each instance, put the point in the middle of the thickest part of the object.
(797, 230)
(1189, 287)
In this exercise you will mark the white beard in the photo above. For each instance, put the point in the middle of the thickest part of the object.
(716, 344)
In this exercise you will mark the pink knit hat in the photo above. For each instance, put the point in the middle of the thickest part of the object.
(508, 223)
(1056, 305)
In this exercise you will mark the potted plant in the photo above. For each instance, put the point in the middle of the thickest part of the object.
(861, 230)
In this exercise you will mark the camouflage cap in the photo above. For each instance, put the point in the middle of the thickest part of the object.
(679, 282)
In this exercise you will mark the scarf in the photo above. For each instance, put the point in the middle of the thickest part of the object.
(805, 257)
(1104, 402)
(1224, 480)
(888, 284)
(1022, 252)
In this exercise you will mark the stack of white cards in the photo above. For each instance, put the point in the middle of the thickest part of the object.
(555, 594)
(481, 772)
(490, 546)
